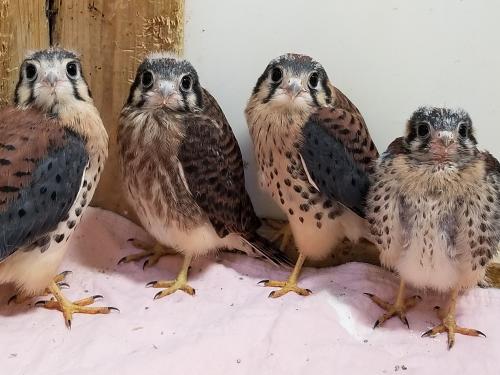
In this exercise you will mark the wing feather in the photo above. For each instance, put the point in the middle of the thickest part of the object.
(41, 169)
(338, 154)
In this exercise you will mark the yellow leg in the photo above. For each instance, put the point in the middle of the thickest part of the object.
(291, 284)
(399, 308)
(68, 308)
(449, 324)
(180, 283)
(152, 253)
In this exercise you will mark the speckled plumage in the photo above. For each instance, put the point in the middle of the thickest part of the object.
(53, 146)
(182, 166)
(437, 223)
(313, 158)
(434, 212)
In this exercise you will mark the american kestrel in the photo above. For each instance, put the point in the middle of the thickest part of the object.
(53, 146)
(183, 170)
(434, 211)
(314, 154)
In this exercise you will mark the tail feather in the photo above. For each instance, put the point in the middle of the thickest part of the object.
(267, 249)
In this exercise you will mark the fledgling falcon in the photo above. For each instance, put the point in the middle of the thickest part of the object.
(53, 146)
(434, 209)
(183, 170)
(314, 152)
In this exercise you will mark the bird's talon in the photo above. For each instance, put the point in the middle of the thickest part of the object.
(151, 284)
(63, 285)
(263, 282)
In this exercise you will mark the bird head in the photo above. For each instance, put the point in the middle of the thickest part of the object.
(166, 82)
(293, 82)
(50, 79)
(441, 137)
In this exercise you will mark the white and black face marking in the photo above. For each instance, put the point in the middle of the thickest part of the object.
(165, 82)
(441, 136)
(294, 82)
(50, 79)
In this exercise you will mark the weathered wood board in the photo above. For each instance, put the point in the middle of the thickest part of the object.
(23, 27)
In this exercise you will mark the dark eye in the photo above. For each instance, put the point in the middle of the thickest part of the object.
(313, 80)
(147, 79)
(423, 130)
(276, 75)
(30, 72)
(72, 70)
(463, 130)
(186, 83)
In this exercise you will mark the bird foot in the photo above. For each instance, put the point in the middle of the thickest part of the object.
(59, 280)
(171, 286)
(152, 253)
(396, 309)
(449, 325)
(68, 308)
(286, 286)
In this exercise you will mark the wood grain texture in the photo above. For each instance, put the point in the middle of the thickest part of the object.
(23, 27)
(113, 36)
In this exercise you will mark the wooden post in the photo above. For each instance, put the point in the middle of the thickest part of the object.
(112, 37)
(23, 27)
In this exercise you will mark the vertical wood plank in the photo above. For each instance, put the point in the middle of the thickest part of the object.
(23, 27)
(112, 37)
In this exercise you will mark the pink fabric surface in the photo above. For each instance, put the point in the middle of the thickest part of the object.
(230, 326)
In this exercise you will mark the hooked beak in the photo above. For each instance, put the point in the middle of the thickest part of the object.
(166, 89)
(293, 88)
(51, 78)
(446, 137)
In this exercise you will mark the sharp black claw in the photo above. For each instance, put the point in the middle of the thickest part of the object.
(194, 292)
(130, 239)
(40, 303)
(68, 324)
(377, 323)
(262, 282)
(122, 260)
(368, 294)
(157, 295)
(97, 296)
(309, 291)
(150, 284)
(479, 333)
(450, 344)
(419, 298)
(11, 299)
(427, 333)
(271, 294)
(145, 264)
(405, 321)
(111, 308)
(63, 285)
(66, 273)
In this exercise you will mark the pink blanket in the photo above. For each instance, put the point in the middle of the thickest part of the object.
(230, 326)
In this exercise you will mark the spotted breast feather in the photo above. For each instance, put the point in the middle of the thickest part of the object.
(41, 169)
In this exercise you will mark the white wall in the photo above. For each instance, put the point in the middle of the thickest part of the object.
(389, 57)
